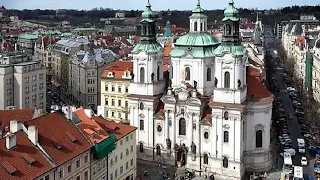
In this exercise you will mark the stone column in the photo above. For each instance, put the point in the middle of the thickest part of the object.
(173, 124)
(166, 125)
(190, 130)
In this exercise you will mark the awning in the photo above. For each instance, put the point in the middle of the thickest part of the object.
(106, 146)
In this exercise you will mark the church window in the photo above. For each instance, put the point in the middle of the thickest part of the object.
(205, 159)
(226, 115)
(158, 150)
(259, 138)
(225, 162)
(201, 26)
(141, 106)
(208, 74)
(159, 128)
(195, 26)
(225, 136)
(227, 80)
(158, 73)
(142, 75)
(206, 135)
(141, 147)
(187, 74)
(141, 125)
(182, 126)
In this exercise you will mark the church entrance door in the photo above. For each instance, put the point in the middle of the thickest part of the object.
(181, 157)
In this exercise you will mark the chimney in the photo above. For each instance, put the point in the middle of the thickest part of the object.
(15, 126)
(101, 111)
(88, 113)
(11, 140)
(33, 134)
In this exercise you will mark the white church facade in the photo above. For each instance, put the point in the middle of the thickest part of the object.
(214, 114)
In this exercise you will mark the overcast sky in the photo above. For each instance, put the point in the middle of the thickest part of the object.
(156, 4)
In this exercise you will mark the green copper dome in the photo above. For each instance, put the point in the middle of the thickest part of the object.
(233, 49)
(148, 15)
(231, 13)
(197, 39)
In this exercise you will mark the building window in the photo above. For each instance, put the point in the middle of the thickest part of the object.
(141, 125)
(60, 173)
(112, 88)
(131, 148)
(142, 75)
(78, 163)
(126, 104)
(141, 106)
(205, 159)
(106, 101)
(116, 173)
(121, 169)
(26, 90)
(195, 26)
(187, 74)
(225, 162)
(159, 128)
(121, 155)
(119, 89)
(226, 136)
(208, 74)
(86, 175)
(127, 152)
(141, 147)
(119, 102)
(47, 177)
(86, 158)
(158, 73)
(9, 92)
(259, 138)
(26, 101)
(182, 126)
(78, 177)
(111, 176)
(127, 165)
(158, 150)
(116, 159)
(112, 102)
(127, 89)
(69, 168)
(119, 115)
(206, 135)
(112, 114)
(131, 162)
(106, 88)
(226, 115)
(227, 80)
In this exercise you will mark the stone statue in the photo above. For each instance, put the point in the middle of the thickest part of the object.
(195, 83)
(152, 77)
(193, 148)
(170, 83)
(215, 82)
(239, 83)
(132, 75)
(168, 143)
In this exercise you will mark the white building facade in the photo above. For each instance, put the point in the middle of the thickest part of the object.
(208, 119)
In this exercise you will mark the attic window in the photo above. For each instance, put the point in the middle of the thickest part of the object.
(9, 168)
(30, 160)
(116, 128)
(110, 74)
(71, 137)
(56, 144)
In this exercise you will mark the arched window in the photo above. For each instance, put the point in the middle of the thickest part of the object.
(141, 147)
(208, 74)
(201, 26)
(227, 80)
(187, 74)
(182, 126)
(205, 159)
(226, 115)
(141, 125)
(158, 150)
(195, 26)
(259, 138)
(225, 162)
(226, 136)
(158, 73)
(142, 75)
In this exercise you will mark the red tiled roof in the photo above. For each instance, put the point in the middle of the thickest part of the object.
(160, 109)
(253, 71)
(52, 133)
(90, 128)
(21, 115)
(207, 115)
(118, 68)
(120, 130)
(16, 157)
(300, 41)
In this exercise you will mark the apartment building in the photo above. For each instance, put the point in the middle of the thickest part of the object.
(299, 55)
(43, 52)
(28, 151)
(316, 71)
(23, 82)
(85, 69)
(115, 81)
(63, 50)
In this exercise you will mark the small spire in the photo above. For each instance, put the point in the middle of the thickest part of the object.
(231, 2)
(148, 4)
(257, 17)
(198, 4)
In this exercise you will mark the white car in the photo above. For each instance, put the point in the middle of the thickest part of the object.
(304, 161)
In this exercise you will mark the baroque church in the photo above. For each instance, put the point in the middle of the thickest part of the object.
(213, 116)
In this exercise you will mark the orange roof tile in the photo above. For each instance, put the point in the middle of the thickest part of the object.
(167, 49)
(58, 125)
(256, 91)
(20, 158)
(253, 71)
(120, 130)
(92, 130)
(118, 68)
